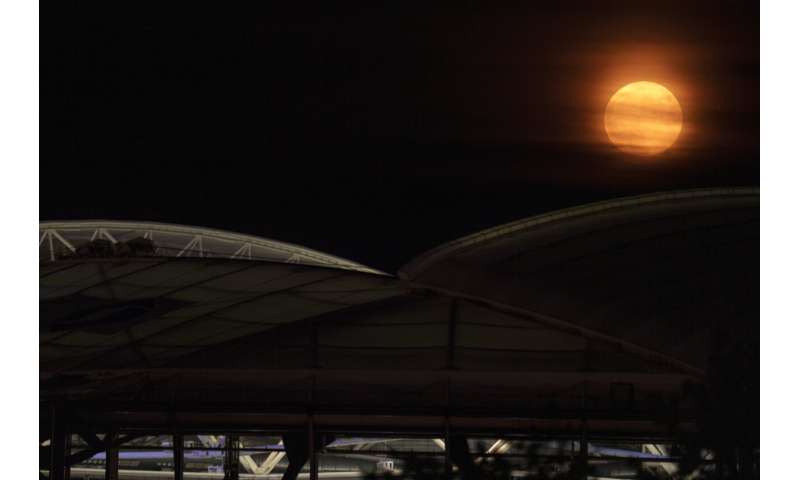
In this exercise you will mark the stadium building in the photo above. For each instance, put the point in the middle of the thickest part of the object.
(572, 342)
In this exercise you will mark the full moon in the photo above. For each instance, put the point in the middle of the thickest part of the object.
(643, 118)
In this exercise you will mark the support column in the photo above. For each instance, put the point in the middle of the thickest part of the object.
(177, 455)
(231, 457)
(312, 451)
(451, 335)
(583, 459)
(313, 344)
(448, 462)
(112, 456)
(59, 445)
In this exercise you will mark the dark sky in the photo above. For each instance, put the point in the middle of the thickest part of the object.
(376, 133)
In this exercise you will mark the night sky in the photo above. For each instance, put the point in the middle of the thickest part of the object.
(376, 133)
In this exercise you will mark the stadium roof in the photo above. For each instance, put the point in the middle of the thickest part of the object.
(652, 271)
(60, 240)
(548, 312)
(112, 313)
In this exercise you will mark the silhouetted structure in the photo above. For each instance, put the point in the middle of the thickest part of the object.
(585, 342)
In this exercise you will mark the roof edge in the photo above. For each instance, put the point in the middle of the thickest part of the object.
(417, 265)
(210, 232)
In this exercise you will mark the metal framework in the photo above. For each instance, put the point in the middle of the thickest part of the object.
(274, 338)
(65, 239)
(316, 452)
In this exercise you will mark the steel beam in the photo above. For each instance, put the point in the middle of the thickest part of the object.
(59, 445)
(177, 455)
(583, 455)
(231, 457)
(448, 462)
(451, 335)
(312, 451)
(112, 456)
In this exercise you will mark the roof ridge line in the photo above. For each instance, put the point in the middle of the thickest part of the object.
(418, 264)
(219, 234)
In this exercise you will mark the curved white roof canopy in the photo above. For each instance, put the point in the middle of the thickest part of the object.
(663, 271)
(539, 313)
(490, 237)
(61, 240)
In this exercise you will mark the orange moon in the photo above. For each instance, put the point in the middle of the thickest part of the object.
(643, 118)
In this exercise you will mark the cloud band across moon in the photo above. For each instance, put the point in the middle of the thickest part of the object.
(643, 118)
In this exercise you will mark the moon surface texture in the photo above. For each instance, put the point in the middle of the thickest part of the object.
(643, 118)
